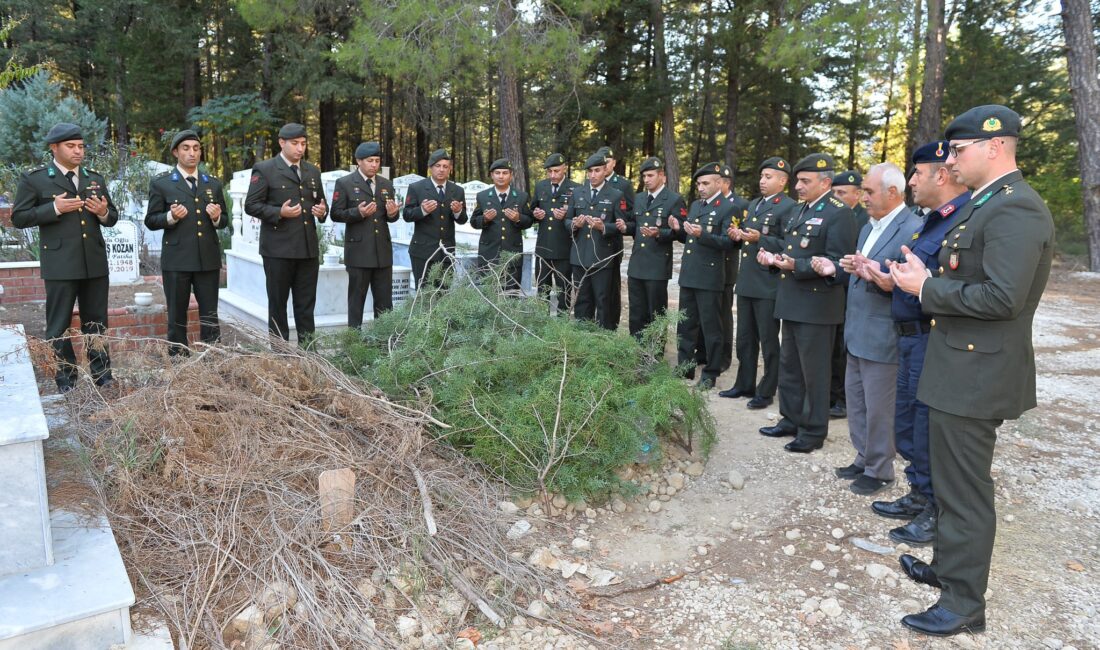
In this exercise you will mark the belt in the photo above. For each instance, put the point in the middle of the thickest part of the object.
(912, 327)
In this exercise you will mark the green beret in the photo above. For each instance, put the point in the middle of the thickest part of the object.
(989, 121)
(776, 163)
(63, 132)
(653, 162)
(815, 162)
(595, 160)
(553, 160)
(437, 155)
(848, 178)
(367, 149)
(727, 171)
(184, 136)
(500, 163)
(292, 131)
(606, 152)
(709, 168)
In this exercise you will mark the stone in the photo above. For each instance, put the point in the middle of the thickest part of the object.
(407, 626)
(810, 605)
(831, 607)
(676, 481)
(581, 544)
(277, 598)
(590, 513)
(817, 565)
(248, 619)
(788, 549)
(838, 533)
(452, 604)
(833, 548)
(910, 606)
(538, 609)
(701, 550)
(870, 546)
(841, 586)
(736, 480)
(1010, 518)
(736, 525)
(367, 590)
(878, 571)
(463, 644)
(695, 469)
(618, 505)
(793, 534)
(560, 501)
(654, 506)
(508, 508)
(519, 529)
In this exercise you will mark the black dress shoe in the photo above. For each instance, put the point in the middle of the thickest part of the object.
(851, 472)
(759, 402)
(65, 387)
(907, 507)
(106, 383)
(803, 446)
(777, 432)
(838, 411)
(868, 485)
(706, 383)
(734, 393)
(919, 571)
(938, 621)
(919, 532)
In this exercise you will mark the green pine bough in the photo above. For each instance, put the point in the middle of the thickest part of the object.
(541, 402)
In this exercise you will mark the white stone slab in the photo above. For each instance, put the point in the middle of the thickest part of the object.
(21, 418)
(122, 252)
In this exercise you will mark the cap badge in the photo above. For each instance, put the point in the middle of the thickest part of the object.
(990, 125)
(821, 164)
(939, 150)
(780, 164)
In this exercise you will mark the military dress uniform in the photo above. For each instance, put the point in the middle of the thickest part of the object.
(553, 241)
(624, 186)
(434, 230)
(811, 307)
(368, 250)
(837, 398)
(740, 212)
(593, 252)
(650, 266)
(73, 256)
(190, 256)
(501, 234)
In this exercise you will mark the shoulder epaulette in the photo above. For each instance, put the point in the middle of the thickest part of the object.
(162, 174)
(837, 202)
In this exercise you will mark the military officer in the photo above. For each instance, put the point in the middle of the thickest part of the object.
(740, 212)
(810, 304)
(502, 214)
(623, 184)
(435, 205)
(189, 206)
(846, 187)
(287, 196)
(365, 203)
(650, 266)
(549, 207)
(995, 263)
(69, 204)
(757, 326)
(702, 273)
(597, 219)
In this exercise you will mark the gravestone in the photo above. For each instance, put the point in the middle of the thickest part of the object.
(122, 253)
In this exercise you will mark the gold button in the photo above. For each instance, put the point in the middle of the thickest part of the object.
(962, 227)
(691, 241)
(196, 199)
(957, 235)
(809, 228)
(933, 322)
(549, 227)
(941, 270)
(199, 234)
(85, 235)
(944, 243)
(83, 222)
(198, 223)
(782, 276)
(744, 254)
(687, 252)
(970, 347)
(376, 231)
(789, 247)
(643, 244)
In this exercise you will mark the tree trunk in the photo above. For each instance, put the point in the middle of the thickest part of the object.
(326, 115)
(1081, 57)
(911, 75)
(387, 127)
(421, 133)
(733, 99)
(668, 124)
(930, 117)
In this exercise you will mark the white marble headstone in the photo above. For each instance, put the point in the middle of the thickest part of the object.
(122, 252)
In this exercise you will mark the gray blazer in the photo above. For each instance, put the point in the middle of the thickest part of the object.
(868, 327)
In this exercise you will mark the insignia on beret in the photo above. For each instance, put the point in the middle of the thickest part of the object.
(992, 124)
(939, 149)
(821, 164)
(781, 164)
(718, 168)
(851, 179)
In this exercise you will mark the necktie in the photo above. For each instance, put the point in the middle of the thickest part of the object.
(370, 187)
(191, 182)
(554, 188)
(442, 194)
(502, 196)
(294, 168)
(594, 193)
(72, 178)
(649, 200)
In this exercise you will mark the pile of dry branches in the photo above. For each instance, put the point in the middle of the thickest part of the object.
(209, 473)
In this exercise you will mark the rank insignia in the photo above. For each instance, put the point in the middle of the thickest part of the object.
(821, 164)
(805, 243)
(953, 261)
(778, 198)
(990, 125)
(916, 236)
(1008, 189)
(947, 210)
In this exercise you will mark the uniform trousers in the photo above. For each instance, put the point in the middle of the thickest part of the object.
(380, 283)
(804, 374)
(551, 273)
(594, 295)
(757, 331)
(648, 299)
(701, 320)
(91, 294)
(296, 279)
(178, 287)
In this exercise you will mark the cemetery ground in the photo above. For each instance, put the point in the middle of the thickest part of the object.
(758, 548)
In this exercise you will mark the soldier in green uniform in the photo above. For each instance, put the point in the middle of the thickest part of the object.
(623, 184)
(287, 196)
(650, 266)
(548, 208)
(69, 204)
(979, 368)
(847, 188)
(811, 305)
(593, 218)
(189, 206)
(757, 326)
(702, 273)
(502, 214)
(364, 202)
(740, 212)
(435, 205)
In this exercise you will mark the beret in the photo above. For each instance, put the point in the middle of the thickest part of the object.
(437, 155)
(595, 160)
(709, 168)
(815, 162)
(292, 131)
(184, 136)
(653, 162)
(848, 178)
(62, 132)
(553, 160)
(501, 163)
(606, 152)
(367, 149)
(776, 163)
(933, 152)
(727, 171)
(987, 121)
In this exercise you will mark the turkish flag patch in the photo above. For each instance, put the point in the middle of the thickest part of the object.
(683, 212)
(408, 200)
(622, 204)
(255, 178)
(336, 195)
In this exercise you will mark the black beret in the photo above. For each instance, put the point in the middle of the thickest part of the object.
(500, 163)
(653, 162)
(184, 136)
(987, 121)
(776, 163)
(606, 152)
(291, 131)
(62, 132)
(933, 152)
(848, 178)
(815, 162)
(727, 171)
(437, 155)
(709, 168)
(553, 160)
(367, 149)
(595, 160)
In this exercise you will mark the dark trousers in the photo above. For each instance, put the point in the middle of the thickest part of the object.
(757, 330)
(839, 364)
(380, 283)
(422, 266)
(513, 269)
(725, 315)
(291, 277)
(594, 295)
(805, 359)
(700, 308)
(549, 273)
(648, 300)
(911, 415)
(962, 455)
(616, 306)
(91, 294)
(178, 286)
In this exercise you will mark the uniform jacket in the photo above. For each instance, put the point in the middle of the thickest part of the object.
(190, 244)
(980, 362)
(553, 240)
(703, 264)
(273, 183)
(367, 242)
(437, 226)
(591, 248)
(765, 217)
(500, 234)
(651, 257)
(733, 259)
(71, 245)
